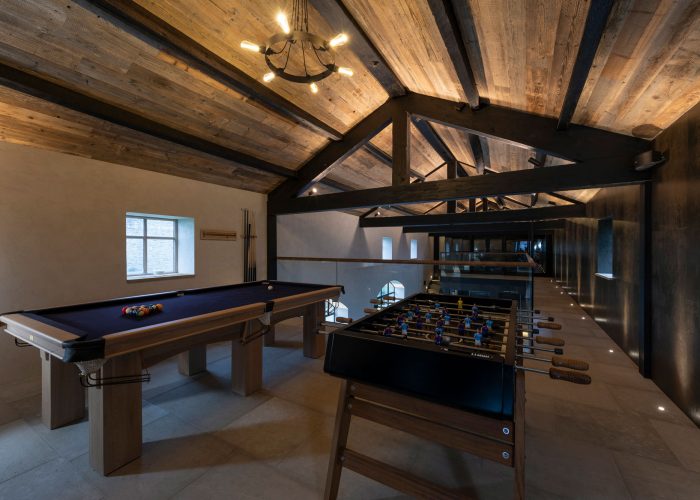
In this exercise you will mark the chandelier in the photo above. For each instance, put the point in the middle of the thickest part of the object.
(297, 55)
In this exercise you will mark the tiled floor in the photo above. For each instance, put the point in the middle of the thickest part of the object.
(606, 440)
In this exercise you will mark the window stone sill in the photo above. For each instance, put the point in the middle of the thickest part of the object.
(157, 277)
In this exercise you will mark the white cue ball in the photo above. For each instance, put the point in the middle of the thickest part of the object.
(269, 287)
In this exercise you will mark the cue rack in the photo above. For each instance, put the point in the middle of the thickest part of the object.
(250, 270)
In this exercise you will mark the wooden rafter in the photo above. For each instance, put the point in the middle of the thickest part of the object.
(386, 159)
(562, 197)
(448, 26)
(339, 18)
(601, 173)
(436, 142)
(597, 18)
(401, 146)
(141, 19)
(528, 214)
(335, 152)
(27, 83)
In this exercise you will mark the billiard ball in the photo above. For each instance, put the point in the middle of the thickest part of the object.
(269, 287)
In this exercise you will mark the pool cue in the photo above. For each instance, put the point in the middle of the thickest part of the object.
(245, 245)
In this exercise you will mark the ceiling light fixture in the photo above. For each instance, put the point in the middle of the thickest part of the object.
(296, 54)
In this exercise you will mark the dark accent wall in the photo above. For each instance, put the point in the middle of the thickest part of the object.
(675, 265)
(613, 303)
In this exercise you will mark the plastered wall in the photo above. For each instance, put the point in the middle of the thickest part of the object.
(62, 234)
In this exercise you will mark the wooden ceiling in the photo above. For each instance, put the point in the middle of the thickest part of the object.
(644, 76)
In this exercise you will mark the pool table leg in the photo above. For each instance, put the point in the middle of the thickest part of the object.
(62, 396)
(115, 417)
(270, 336)
(246, 364)
(314, 342)
(193, 361)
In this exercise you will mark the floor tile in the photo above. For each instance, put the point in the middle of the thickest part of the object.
(684, 442)
(55, 480)
(21, 449)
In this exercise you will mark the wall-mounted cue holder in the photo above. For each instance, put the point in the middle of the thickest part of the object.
(216, 234)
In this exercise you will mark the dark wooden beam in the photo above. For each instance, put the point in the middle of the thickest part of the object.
(401, 146)
(472, 204)
(26, 83)
(386, 159)
(478, 154)
(434, 207)
(339, 19)
(564, 198)
(335, 152)
(577, 143)
(452, 174)
(529, 214)
(611, 172)
(495, 228)
(597, 18)
(516, 202)
(430, 134)
(448, 26)
(151, 26)
(645, 280)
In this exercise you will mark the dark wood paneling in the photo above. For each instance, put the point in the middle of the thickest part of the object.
(675, 265)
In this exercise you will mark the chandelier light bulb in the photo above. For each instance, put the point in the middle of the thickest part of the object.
(282, 21)
(345, 71)
(338, 40)
(314, 88)
(245, 44)
(268, 77)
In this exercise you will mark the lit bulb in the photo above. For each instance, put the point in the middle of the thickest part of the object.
(610, 350)
(268, 77)
(282, 21)
(314, 190)
(245, 44)
(379, 213)
(314, 88)
(661, 408)
(338, 40)
(344, 71)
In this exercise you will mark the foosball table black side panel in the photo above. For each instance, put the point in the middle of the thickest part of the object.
(455, 379)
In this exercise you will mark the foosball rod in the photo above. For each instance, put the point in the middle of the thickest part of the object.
(421, 338)
(433, 332)
(559, 374)
(453, 328)
(556, 350)
(485, 306)
(559, 362)
(447, 334)
(498, 317)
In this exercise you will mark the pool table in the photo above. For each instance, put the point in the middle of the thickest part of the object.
(94, 345)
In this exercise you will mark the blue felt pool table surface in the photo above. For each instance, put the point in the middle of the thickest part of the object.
(95, 320)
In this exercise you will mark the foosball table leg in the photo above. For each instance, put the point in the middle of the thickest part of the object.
(340, 439)
(519, 436)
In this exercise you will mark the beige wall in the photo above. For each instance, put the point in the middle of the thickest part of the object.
(62, 233)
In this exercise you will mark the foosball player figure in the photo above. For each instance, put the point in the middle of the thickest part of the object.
(437, 305)
(419, 322)
(400, 320)
(404, 330)
(460, 303)
(428, 315)
(446, 317)
(468, 322)
(461, 330)
(489, 323)
(484, 332)
(477, 339)
(475, 314)
(416, 309)
(438, 335)
(410, 315)
(388, 331)
(475, 310)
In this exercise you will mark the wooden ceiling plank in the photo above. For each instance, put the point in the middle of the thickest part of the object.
(447, 24)
(528, 214)
(335, 152)
(44, 89)
(386, 159)
(596, 20)
(585, 175)
(340, 19)
(144, 21)
(525, 129)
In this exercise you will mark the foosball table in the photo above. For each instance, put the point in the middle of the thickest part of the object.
(447, 369)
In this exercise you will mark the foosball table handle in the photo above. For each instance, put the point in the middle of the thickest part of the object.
(549, 325)
(549, 340)
(567, 376)
(574, 364)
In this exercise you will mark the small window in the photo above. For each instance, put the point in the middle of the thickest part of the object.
(335, 310)
(605, 248)
(387, 245)
(414, 249)
(158, 245)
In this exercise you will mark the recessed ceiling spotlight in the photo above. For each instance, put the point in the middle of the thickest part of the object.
(571, 304)
(583, 317)
(661, 408)
(610, 350)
